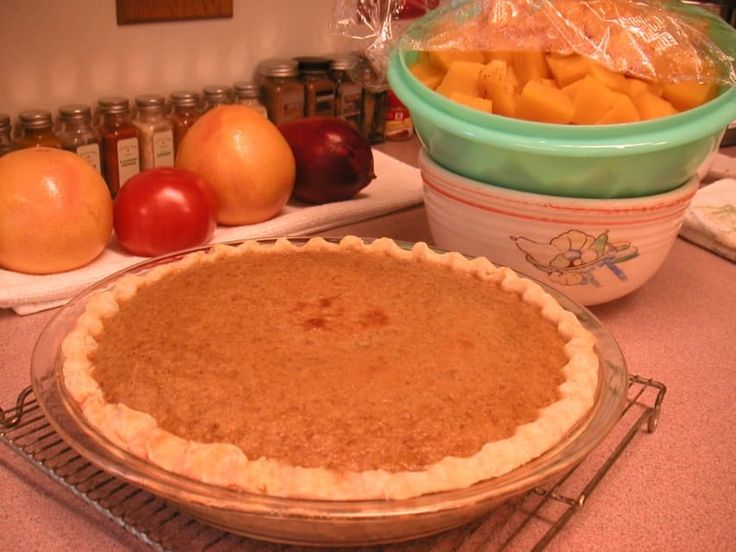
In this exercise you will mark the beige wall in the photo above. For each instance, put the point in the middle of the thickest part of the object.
(60, 51)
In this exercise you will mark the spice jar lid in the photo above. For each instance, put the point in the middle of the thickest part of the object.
(113, 104)
(216, 90)
(75, 111)
(312, 64)
(341, 64)
(149, 100)
(185, 98)
(246, 89)
(35, 118)
(278, 68)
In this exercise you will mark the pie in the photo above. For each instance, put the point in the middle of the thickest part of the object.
(341, 371)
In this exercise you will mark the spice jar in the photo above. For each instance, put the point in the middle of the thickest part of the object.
(281, 91)
(37, 130)
(347, 93)
(120, 149)
(184, 112)
(77, 134)
(398, 120)
(373, 114)
(6, 142)
(246, 93)
(319, 90)
(216, 94)
(155, 132)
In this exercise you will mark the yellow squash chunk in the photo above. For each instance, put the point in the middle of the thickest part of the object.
(567, 69)
(497, 83)
(530, 66)
(462, 76)
(572, 89)
(612, 80)
(623, 110)
(501, 55)
(549, 82)
(473, 101)
(444, 58)
(637, 86)
(652, 107)
(686, 95)
(426, 72)
(592, 100)
(539, 102)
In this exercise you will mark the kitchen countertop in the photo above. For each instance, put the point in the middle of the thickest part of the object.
(673, 489)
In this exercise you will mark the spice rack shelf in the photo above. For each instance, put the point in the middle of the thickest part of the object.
(527, 522)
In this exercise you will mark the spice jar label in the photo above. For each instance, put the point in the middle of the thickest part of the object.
(163, 149)
(292, 107)
(128, 160)
(324, 103)
(349, 100)
(90, 152)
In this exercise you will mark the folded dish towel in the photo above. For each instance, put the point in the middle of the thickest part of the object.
(396, 187)
(710, 222)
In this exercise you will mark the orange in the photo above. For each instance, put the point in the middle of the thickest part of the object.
(245, 159)
(55, 211)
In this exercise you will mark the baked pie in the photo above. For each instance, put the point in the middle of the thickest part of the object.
(327, 370)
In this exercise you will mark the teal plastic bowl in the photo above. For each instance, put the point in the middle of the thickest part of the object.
(606, 161)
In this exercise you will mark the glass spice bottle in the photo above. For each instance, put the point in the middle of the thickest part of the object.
(319, 90)
(184, 112)
(246, 93)
(77, 134)
(6, 142)
(281, 91)
(347, 93)
(155, 132)
(373, 114)
(37, 130)
(120, 147)
(216, 94)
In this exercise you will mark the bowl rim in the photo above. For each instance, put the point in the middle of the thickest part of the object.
(566, 140)
(669, 198)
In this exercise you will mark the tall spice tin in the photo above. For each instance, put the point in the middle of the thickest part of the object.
(155, 132)
(120, 148)
(281, 91)
(78, 135)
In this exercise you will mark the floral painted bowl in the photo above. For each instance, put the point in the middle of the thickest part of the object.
(592, 250)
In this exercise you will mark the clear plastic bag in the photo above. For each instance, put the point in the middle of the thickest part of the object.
(663, 40)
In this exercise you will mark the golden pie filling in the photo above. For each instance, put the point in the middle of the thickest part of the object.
(291, 368)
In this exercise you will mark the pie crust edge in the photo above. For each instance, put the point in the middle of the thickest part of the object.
(226, 465)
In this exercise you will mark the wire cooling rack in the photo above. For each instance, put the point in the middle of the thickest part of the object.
(528, 522)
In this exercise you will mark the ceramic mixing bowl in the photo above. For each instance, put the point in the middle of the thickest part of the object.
(593, 250)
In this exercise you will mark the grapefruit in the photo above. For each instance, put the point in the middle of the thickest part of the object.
(244, 158)
(55, 211)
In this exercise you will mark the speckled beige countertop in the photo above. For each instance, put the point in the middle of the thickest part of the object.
(674, 489)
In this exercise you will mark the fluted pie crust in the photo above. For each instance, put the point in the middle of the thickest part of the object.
(288, 465)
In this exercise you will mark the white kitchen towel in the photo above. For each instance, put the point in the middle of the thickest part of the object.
(710, 220)
(397, 186)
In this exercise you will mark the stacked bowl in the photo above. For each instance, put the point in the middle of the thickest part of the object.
(592, 211)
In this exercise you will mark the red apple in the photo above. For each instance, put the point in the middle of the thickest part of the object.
(333, 160)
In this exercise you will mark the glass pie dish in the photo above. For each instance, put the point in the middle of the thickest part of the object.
(318, 522)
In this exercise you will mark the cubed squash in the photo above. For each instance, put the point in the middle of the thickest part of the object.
(444, 58)
(462, 76)
(652, 107)
(623, 110)
(686, 95)
(497, 83)
(549, 82)
(501, 55)
(539, 102)
(426, 72)
(567, 69)
(637, 86)
(572, 89)
(612, 80)
(530, 65)
(592, 100)
(474, 102)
